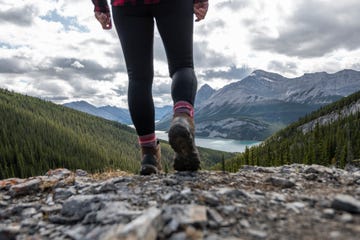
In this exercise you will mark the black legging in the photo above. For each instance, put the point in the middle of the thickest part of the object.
(135, 28)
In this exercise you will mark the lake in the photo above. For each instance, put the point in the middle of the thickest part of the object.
(227, 145)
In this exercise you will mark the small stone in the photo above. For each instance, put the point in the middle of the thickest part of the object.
(144, 227)
(210, 199)
(25, 188)
(329, 213)
(259, 192)
(280, 182)
(62, 194)
(171, 227)
(187, 214)
(228, 210)
(216, 217)
(193, 234)
(286, 169)
(6, 197)
(3, 204)
(97, 232)
(112, 213)
(257, 233)
(278, 197)
(28, 212)
(233, 193)
(314, 168)
(51, 209)
(335, 234)
(77, 232)
(178, 236)
(59, 173)
(257, 169)
(296, 206)
(311, 176)
(7, 183)
(107, 187)
(9, 232)
(50, 200)
(168, 196)
(29, 222)
(170, 182)
(81, 173)
(346, 203)
(346, 218)
(75, 208)
(185, 191)
(244, 223)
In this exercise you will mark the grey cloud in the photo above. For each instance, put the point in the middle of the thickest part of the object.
(60, 68)
(95, 41)
(159, 51)
(13, 65)
(315, 29)
(233, 4)
(56, 98)
(120, 91)
(207, 58)
(206, 29)
(162, 88)
(232, 73)
(64, 68)
(282, 67)
(203, 55)
(22, 16)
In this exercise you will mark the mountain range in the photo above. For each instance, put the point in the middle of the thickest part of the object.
(263, 102)
(113, 113)
(252, 108)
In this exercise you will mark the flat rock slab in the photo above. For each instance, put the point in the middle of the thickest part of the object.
(288, 202)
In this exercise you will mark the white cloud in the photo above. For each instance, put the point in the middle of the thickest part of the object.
(58, 50)
(77, 64)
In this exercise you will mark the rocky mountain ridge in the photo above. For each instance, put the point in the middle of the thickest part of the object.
(262, 103)
(331, 117)
(287, 202)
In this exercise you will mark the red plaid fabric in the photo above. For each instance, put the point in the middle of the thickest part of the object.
(102, 5)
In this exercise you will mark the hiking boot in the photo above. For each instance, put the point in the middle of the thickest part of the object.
(151, 160)
(182, 140)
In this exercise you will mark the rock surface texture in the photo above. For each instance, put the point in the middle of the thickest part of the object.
(288, 202)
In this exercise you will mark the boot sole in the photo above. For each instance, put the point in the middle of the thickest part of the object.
(187, 157)
(147, 169)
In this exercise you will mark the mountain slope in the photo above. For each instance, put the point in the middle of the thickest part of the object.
(329, 136)
(37, 135)
(263, 103)
(203, 94)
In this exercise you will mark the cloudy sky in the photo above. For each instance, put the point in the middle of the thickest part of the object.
(55, 49)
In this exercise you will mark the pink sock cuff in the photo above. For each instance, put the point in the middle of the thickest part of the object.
(150, 138)
(184, 107)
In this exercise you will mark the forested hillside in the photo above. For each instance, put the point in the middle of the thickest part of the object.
(329, 136)
(36, 135)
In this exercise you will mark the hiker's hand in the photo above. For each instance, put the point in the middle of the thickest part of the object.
(104, 19)
(200, 10)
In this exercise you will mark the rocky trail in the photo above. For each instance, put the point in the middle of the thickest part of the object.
(288, 202)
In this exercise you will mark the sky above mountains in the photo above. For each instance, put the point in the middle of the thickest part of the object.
(56, 50)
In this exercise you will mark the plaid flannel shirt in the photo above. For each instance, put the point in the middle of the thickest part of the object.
(102, 5)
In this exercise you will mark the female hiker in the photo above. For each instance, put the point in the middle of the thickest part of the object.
(134, 22)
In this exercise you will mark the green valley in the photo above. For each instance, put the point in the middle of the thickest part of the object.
(38, 135)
